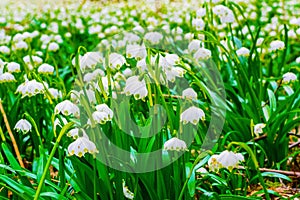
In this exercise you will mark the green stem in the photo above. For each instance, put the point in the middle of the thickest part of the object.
(201, 156)
(62, 132)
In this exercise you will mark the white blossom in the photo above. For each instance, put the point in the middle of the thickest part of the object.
(192, 115)
(45, 69)
(276, 45)
(136, 87)
(31, 88)
(243, 52)
(175, 144)
(81, 146)
(23, 125)
(67, 108)
(7, 77)
(189, 93)
(288, 77)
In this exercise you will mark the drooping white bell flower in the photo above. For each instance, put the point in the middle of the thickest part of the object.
(227, 159)
(258, 128)
(189, 93)
(276, 45)
(31, 88)
(230, 160)
(13, 67)
(153, 37)
(175, 144)
(55, 93)
(192, 115)
(81, 146)
(23, 125)
(136, 87)
(136, 51)
(243, 51)
(67, 108)
(202, 54)
(45, 69)
(116, 60)
(7, 77)
(104, 108)
(289, 77)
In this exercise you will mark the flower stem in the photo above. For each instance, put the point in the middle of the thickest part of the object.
(201, 156)
(62, 132)
(13, 140)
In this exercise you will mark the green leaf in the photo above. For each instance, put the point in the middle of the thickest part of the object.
(192, 180)
(272, 100)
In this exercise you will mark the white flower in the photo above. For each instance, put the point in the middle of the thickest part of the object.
(55, 93)
(153, 37)
(289, 76)
(192, 115)
(201, 12)
(23, 125)
(127, 193)
(175, 144)
(74, 133)
(230, 160)
(31, 88)
(189, 93)
(89, 60)
(67, 108)
(202, 54)
(36, 61)
(194, 45)
(226, 15)
(7, 77)
(202, 170)
(227, 159)
(276, 45)
(104, 108)
(53, 46)
(243, 52)
(213, 163)
(136, 87)
(127, 72)
(81, 146)
(99, 117)
(136, 51)
(258, 128)
(20, 45)
(4, 50)
(198, 23)
(116, 60)
(297, 60)
(90, 94)
(13, 67)
(45, 69)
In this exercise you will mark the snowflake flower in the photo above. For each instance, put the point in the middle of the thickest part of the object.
(45, 69)
(136, 87)
(23, 125)
(289, 76)
(67, 108)
(31, 88)
(189, 93)
(276, 45)
(81, 146)
(7, 78)
(175, 144)
(192, 115)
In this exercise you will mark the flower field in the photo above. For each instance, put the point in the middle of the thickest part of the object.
(150, 99)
